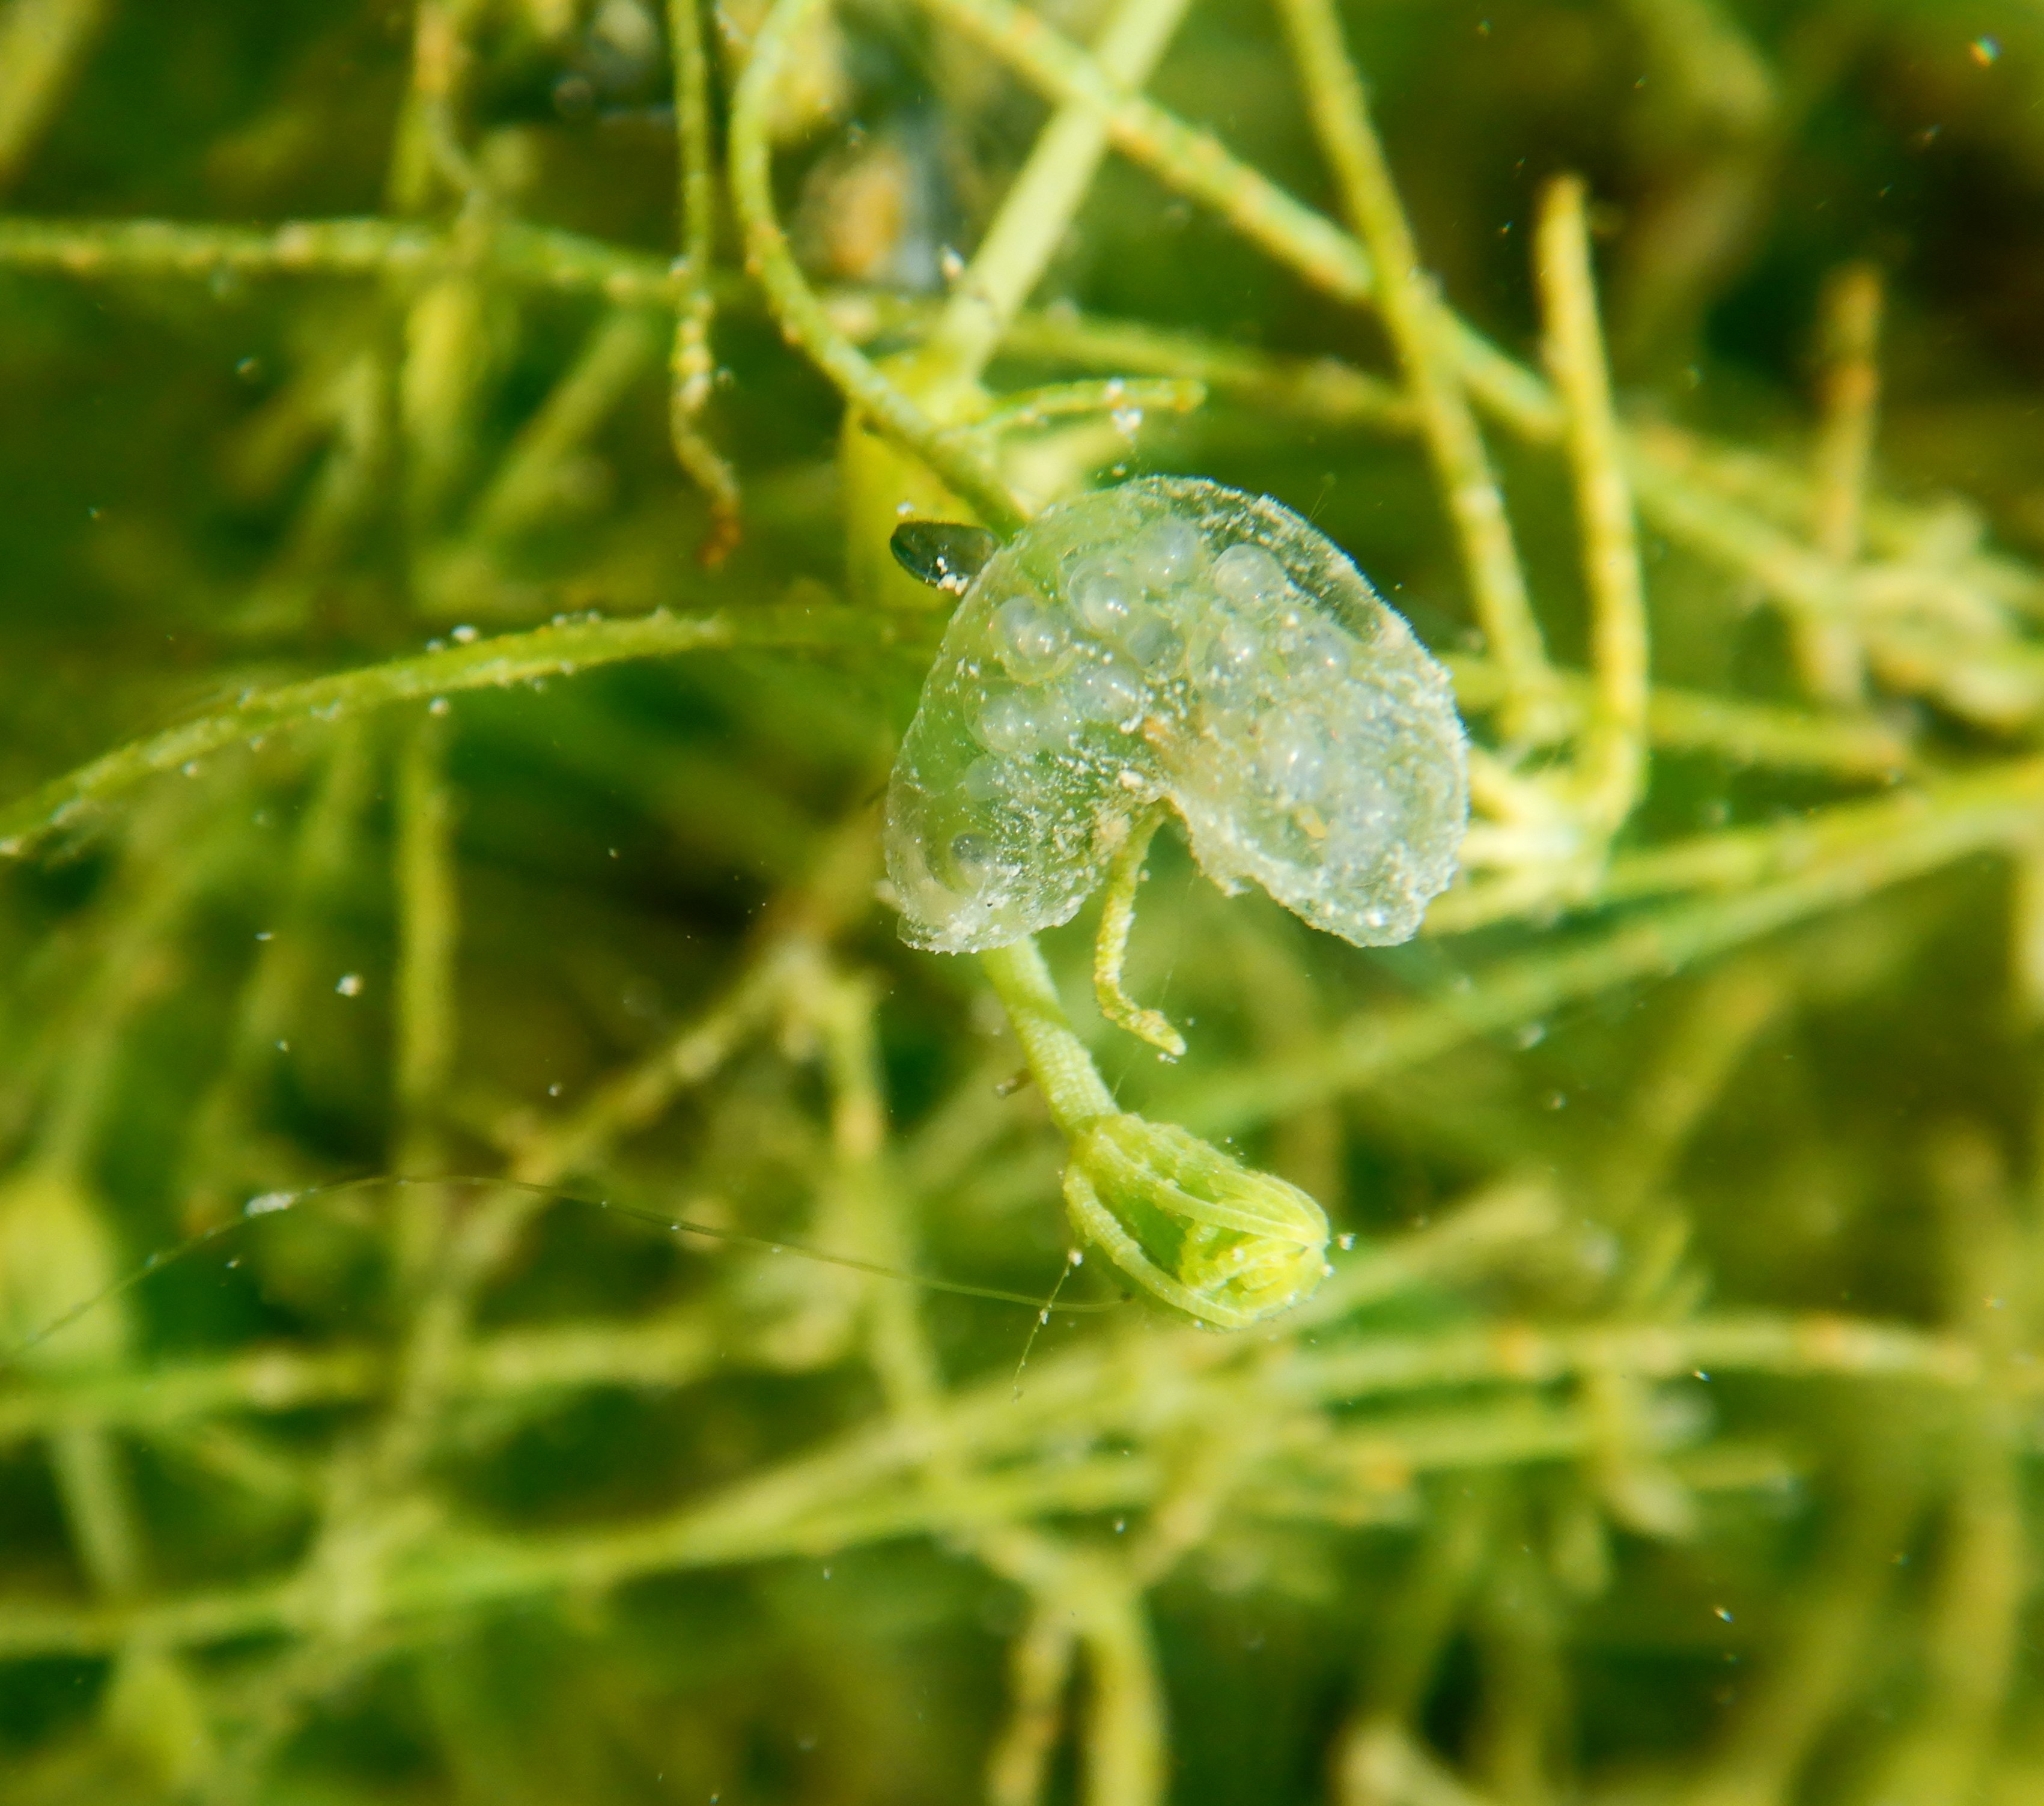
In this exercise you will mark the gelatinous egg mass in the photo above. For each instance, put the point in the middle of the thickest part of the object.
(1173, 639)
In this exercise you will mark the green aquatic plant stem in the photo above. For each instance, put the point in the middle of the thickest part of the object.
(851, 1491)
(1097, 1595)
(1117, 919)
(427, 925)
(1749, 733)
(525, 486)
(671, 1349)
(43, 43)
(953, 456)
(1734, 728)
(1404, 1650)
(560, 650)
(443, 375)
(545, 258)
(1218, 1241)
(1124, 1741)
(1720, 513)
(1061, 401)
(1072, 1089)
(1039, 1668)
(1931, 633)
(323, 847)
(1196, 163)
(781, 964)
(511, 250)
(1763, 1749)
(635, 1098)
(424, 1021)
(536, 256)
(843, 1006)
(427, 150)
(1417, 321)
(692, 366)
(169, 861)
(1827, 652)
(1037, 210)
(58, 1232)
(1940, 540)
(1737, 857)
(1323, 389)
(1612, 762)
(676, 1350)
(1985, 1566)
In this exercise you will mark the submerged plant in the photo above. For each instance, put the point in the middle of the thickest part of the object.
(451, 661)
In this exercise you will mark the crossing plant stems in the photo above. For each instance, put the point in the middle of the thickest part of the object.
(453, 663)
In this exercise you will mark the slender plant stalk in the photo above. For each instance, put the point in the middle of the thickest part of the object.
(1039, 1668)
(953, 456)
(1071, 1084)
(1612, 762)
(525, 487)
(498, 663)
(427, 923)
(43, 43)
(1827, 652)
(1117, 919)
(511, 250)
(423, 1061)
(1038, 207)
(1413, 316)
(693, 366)
(786, 1512)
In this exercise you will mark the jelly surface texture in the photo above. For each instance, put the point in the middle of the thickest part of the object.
(1173, 639)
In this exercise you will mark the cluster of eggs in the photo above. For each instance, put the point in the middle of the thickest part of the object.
(1175, 640)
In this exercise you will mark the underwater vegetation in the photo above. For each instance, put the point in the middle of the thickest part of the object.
(1117, 901)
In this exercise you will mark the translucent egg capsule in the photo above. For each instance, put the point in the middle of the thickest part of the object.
(1175, 640)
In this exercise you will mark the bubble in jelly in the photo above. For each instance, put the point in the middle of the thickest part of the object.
(1175, 639)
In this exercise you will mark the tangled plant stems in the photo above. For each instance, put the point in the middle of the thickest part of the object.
(454, 665)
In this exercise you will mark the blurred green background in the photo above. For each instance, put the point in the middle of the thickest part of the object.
(1667, 1429)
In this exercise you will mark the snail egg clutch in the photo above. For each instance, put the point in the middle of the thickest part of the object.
(1175, 640)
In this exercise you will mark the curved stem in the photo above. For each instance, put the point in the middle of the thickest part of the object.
(483, 664)
(1117, 918)
(694, 364)
(952, 455)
